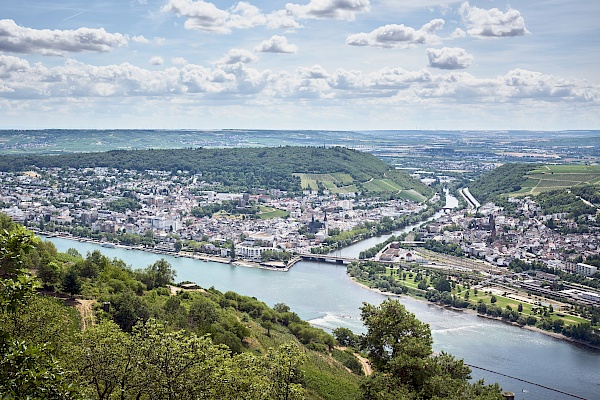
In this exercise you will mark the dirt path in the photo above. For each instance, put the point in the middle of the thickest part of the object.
(366, 365)
(87, 314)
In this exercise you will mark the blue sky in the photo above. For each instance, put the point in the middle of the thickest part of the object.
(312, 64)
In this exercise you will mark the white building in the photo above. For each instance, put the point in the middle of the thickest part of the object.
(585, 269)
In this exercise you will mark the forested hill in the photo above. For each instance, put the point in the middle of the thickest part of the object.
(503, 180)
(268, 168)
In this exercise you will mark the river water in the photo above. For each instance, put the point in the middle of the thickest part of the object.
(323, 294)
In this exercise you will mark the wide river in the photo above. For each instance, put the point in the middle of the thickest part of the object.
(323, 294)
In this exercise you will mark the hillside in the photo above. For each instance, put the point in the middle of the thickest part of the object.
(535, 179)
(337, 169)
(505, 179)
(146, 340)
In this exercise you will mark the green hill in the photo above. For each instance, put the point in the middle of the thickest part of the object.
(337, 169)
(533, 179)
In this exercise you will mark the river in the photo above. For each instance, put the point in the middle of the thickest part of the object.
(323, 294)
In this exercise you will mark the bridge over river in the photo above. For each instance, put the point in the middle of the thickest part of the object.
(346, 260)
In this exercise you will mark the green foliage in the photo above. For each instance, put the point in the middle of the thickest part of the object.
(71, 282)
(443, 285)
(445, 248)
(399, 347)
(31, 372)
(345, 337)
(238, 169)
(505, 179)
(159, 274)
(348, 360)
(124, 204)
(559, 201)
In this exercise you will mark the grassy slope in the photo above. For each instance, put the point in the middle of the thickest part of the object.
(530, 179)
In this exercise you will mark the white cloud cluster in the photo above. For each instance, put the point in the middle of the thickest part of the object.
(18, 39)
(493, 22)
(157, 60)
(398, 35)
(335, 9)
(205, 16)
(276, 44)
(235, 56)
(21, 80)
(449, 58)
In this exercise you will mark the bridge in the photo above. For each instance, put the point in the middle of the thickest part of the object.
(327, 258)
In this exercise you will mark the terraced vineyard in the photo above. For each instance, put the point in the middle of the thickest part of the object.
(340, 183)
(552, 177)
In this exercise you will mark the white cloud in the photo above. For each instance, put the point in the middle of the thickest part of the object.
(244, 15)
(76, 80)
(281, 19)
(10, 64)
(458, 33)
(139, 39)
(449, 58)
(178, 61)
(157, 60)
(336, 9)
(235, 56)
(314, 72)
(398, 35)
(492, 22)
(200, 15)
(205, 16)
(276, 44)
(18, 39)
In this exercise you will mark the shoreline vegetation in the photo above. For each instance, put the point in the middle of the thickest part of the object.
(474, 312)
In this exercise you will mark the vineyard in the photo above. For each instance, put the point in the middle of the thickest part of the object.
(552, 177)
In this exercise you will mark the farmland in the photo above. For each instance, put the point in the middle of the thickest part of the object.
(340, 183)
(552, 177)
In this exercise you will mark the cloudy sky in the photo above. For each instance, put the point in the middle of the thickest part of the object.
(310, 64)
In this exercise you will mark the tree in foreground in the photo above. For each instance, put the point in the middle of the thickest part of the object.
(399, 348)
(27, 370)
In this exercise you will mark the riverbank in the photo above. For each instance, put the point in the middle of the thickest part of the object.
(274, 266)
(474, 312)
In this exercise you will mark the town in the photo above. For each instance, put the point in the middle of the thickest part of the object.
(162, 211)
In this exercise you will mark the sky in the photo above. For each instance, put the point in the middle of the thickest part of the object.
(309, 64)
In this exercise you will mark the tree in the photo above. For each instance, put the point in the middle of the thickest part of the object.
(232, 254)
(345, 337)
(13, 244)
(399, 348)
(178, 365)
(443, 285)
(520, 307)
(106, 360)
(159, 274)
(281, 308)
(285, 373)
(71, 283)
(27, 370)
(493, 299)
(178, 246)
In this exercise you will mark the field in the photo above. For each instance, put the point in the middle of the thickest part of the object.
(381, 185)
(551, 177)
(270, 212)
(340, 183)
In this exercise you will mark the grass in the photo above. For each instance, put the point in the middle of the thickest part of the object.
(412, 195)
(324, 377)
(551, 177)
(270, 212)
